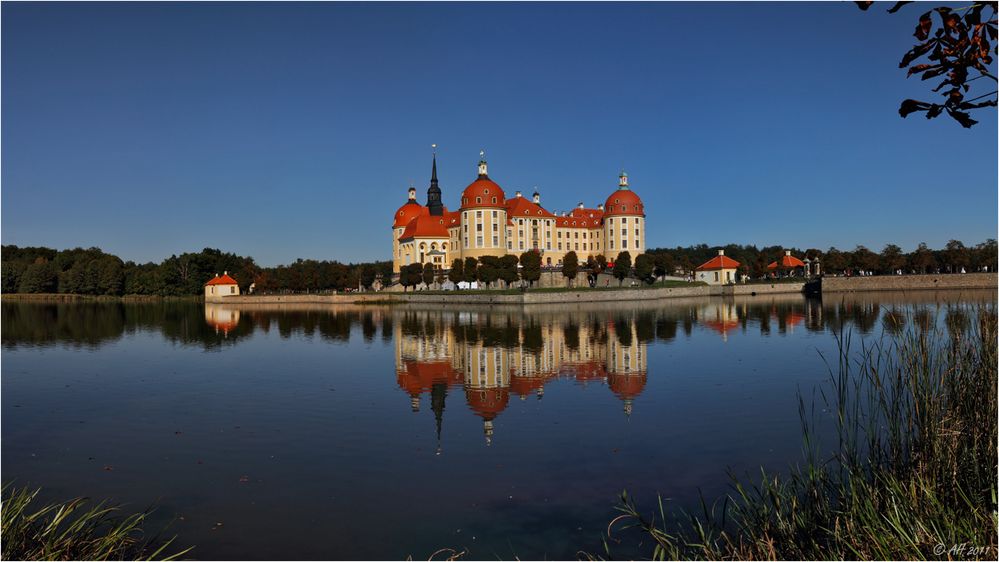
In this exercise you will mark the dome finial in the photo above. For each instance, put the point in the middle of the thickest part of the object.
(483, 168)
(622, 180)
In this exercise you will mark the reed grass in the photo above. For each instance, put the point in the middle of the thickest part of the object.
(911, 474)
(77, 529)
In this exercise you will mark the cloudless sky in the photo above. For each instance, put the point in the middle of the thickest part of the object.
(293, 130)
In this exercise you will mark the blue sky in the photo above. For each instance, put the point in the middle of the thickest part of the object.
(286, 131)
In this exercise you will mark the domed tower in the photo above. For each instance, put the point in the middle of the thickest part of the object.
(624, 221)
(483, 216)
(403, 216)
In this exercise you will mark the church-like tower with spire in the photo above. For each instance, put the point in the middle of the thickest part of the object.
(488, 223)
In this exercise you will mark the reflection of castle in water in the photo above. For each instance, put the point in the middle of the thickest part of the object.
(516, 358)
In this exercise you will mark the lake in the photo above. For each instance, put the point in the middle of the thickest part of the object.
(274, 432)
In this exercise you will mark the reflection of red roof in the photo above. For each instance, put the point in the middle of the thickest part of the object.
(718, 262)
(589, 371)
(722, 326)
(487, 402)
(624, 202)
(795, 318)
(226, 327)
(426, 226)
(419, 376)
(483, 192)
(787, 261)
(524, 207)
(408, 212)
(222, 280)
(525, 385)
(627, 385)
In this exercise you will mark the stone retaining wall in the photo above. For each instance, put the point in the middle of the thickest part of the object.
(910, 282)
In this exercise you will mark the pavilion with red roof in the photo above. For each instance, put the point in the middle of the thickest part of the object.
(719, 270)
(221, 286)
(788, 264)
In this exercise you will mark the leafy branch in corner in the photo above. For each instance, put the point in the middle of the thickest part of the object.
(956, 47)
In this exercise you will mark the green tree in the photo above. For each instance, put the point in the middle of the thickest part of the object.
(956, 256)
(922, 259)
(985, 255)
(622, 266)
(488, 270)
(530, 263)
(864, 259)
(457, 273)
(892, 258)
(834, 261)
(508, 269)
(39, 277)
(471, 270)
(570, 267)
(663, 264)
(644, 264)
(368, 275)
(428, 274)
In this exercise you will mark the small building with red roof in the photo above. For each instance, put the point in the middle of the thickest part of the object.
(788, 264)
(719, 270)
(221, 286)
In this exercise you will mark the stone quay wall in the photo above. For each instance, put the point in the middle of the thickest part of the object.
(910, 282)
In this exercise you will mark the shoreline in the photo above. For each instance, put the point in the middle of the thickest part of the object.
(891, 283)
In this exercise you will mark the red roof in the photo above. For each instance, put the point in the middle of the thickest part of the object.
(426, 226)
(524, 207)
(222, 280)
(581, 218)
(624, 202)
(627, 385)
(719, 262)
(483, 192)
(787, 261)
(487, 402)
(408, 212)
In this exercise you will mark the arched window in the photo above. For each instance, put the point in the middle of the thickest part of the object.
(478, 200)
(494, 199)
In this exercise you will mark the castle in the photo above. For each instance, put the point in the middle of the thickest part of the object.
(487, 223)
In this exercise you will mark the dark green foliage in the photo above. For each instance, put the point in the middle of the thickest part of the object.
(368, 275)
(622, 266)
(489, 270)
(663, 264)
(471, 270)
(570, 267)
(508, 269)
(92, 272)
(457, 273)
(428, 274)
(644, 264)
(530, 263)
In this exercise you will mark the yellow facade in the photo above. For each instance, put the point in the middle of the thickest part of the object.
(490, 224)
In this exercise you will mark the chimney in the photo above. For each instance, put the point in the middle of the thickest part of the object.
(519, 194)
(537, 198)
(564, 213)
(721, 252)
(600, 207)
(581, 205)
(226, 272)
(787, 252)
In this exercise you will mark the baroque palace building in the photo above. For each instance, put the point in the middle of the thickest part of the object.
(487, 223)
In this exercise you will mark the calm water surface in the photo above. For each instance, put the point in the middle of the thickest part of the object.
(267, 432)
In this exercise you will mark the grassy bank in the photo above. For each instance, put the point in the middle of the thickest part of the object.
(912, 474)
(76, 529)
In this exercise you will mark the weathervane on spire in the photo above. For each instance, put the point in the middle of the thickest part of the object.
(434, 147)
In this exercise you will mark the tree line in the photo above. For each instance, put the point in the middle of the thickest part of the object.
(753, 261)
(93, 272)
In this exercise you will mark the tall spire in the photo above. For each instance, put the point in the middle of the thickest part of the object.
(434, 192)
